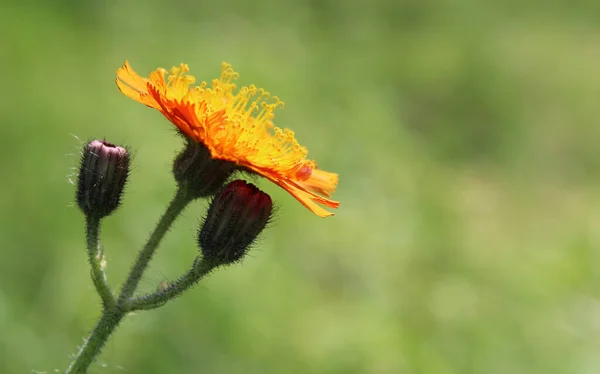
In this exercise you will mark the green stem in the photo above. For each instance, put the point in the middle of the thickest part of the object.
(91, 348)
(200, 269)
(180, 201)
(112, 315)
(95, 259)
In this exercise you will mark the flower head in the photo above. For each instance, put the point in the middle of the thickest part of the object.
(236, 126)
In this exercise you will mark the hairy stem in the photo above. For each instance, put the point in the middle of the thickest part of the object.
(95, 258)
(115, 311)
(156, 299)
(91, 348)
(180, 201)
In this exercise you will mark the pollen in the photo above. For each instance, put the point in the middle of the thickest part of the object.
(236, 125)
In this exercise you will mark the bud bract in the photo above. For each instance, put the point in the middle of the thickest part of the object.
(199, 172)
(102, 177)
(237, 215)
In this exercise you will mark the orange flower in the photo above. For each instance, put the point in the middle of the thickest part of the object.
(235, 125)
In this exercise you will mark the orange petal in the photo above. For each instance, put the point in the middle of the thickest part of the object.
(128, 76)
(134, 86)
(322, 182)
(308, 199)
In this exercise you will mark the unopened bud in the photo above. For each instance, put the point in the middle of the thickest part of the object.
(102, 176)
(237, 214)
(199, 172)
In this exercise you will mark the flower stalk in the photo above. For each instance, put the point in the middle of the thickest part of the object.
(180, 201)
(114, 311)
(95, 342)
(199, 270)
(96, 259)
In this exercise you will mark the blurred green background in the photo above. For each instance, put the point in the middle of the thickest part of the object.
(466, 138)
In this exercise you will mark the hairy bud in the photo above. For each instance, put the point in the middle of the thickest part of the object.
(102, 177)
(237, 215)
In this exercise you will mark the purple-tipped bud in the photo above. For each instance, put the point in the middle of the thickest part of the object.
(102, 176)
(199, 172)
(237, 214)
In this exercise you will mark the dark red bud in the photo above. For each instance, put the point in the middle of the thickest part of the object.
(102, 177)
(237, 215)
